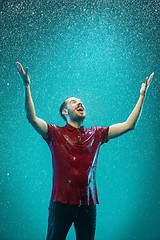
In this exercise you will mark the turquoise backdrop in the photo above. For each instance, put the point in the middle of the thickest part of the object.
(100, 51)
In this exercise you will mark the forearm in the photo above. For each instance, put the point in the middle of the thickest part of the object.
(133, 117)
(29, 106)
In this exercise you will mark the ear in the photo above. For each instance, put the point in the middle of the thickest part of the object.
(65, 111)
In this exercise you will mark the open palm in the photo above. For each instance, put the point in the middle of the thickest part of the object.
(146, 84)
(24, 76)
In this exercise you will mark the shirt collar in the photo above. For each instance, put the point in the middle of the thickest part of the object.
(71, 128)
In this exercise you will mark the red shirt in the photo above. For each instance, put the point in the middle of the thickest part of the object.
(74, 159)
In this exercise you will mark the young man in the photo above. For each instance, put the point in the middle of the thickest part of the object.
(74, 157)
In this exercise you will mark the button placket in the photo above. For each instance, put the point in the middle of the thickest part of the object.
(78, 136)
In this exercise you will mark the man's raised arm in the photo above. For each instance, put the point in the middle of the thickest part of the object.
(120, 128)
(39, 124)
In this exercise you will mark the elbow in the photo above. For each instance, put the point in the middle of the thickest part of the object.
(30, 119)
(130, 126)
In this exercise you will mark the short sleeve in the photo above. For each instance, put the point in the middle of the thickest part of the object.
(51, 133)
(103, 134)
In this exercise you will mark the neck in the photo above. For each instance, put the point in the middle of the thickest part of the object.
(75, 124)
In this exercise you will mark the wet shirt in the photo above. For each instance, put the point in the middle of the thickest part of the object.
(74, 160)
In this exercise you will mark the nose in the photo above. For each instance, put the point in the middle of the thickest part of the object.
(80, 104)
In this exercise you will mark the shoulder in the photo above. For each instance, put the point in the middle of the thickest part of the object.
(55, 128)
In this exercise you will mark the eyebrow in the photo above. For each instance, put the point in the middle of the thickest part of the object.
(73, 100)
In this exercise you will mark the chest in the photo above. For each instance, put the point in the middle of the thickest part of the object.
(77, 138)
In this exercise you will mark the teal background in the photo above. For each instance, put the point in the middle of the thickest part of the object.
(99, 51)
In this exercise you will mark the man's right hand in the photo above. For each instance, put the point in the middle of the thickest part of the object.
(39, 124)
(24, 76)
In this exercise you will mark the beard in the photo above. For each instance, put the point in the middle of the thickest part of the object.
(74, 116)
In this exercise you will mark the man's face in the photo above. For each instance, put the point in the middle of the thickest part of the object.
(76, 109)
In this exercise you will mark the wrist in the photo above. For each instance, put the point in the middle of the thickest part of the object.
(142, 95)
(26, 86)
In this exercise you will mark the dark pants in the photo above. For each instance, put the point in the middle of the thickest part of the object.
(61, 217)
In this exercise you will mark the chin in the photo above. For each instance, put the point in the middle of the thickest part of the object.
(82, 118)
(79, 118)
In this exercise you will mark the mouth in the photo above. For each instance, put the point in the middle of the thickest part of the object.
(80, 109)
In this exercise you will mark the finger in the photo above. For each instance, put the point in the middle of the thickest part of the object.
(20, 68)
(150, 78)
(26, 70)
(146, 80)
(17, 64)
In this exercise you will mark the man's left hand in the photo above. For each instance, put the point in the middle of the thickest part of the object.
(146, 85)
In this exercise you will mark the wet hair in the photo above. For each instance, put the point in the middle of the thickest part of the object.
(63, 106)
